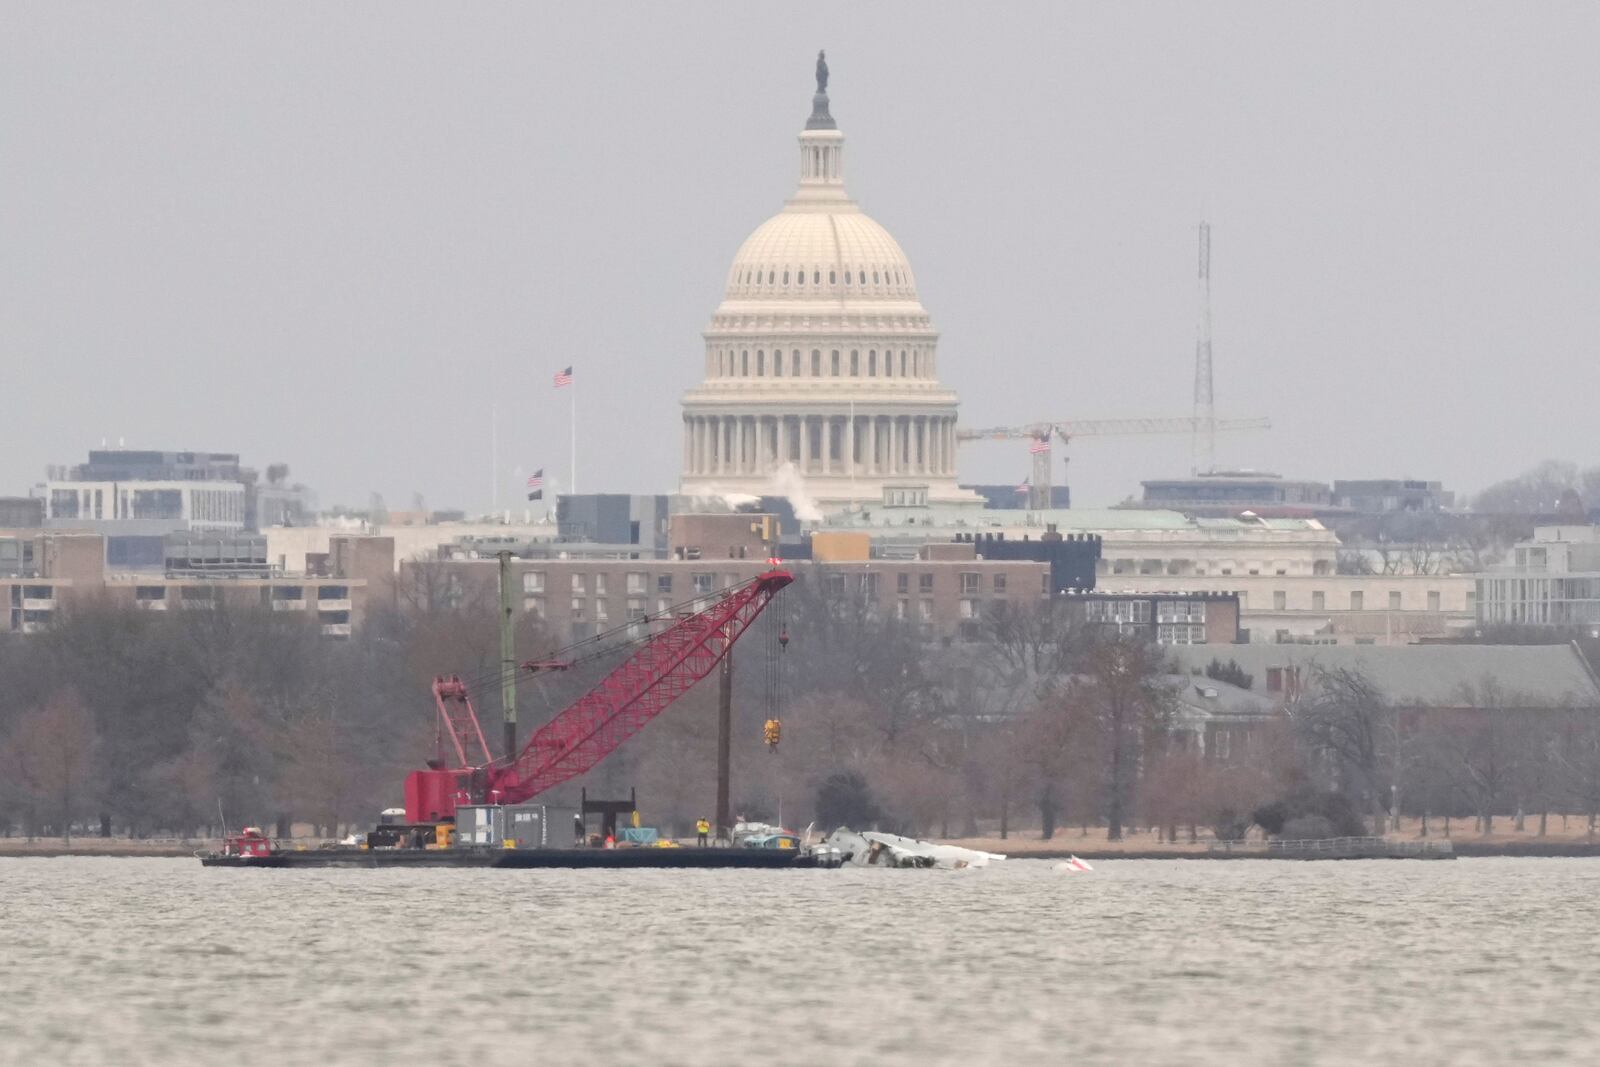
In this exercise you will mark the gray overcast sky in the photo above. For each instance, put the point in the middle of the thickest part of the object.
(337, 234)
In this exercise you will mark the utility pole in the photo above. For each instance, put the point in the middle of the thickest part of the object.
(1205, 409)
(724, 740)
(508, 658)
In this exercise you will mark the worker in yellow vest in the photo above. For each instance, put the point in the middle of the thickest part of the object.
(702, 828)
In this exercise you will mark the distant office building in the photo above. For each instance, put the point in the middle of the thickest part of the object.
(614, 519)
(1552, 580)
(946, 592)
(1385, 496)
(1230, 492)
(40, 571)
(130, 492)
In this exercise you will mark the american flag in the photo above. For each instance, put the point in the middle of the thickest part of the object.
(563, 377)
(1040, 444)
(1024, 487)
(536, 485)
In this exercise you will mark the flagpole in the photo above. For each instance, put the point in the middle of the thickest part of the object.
(572, 422)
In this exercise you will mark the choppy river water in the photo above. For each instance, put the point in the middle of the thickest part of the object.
(123, 961)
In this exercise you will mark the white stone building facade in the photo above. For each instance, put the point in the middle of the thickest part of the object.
(821, 364)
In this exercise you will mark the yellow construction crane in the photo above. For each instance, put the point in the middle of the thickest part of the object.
(1043, 435)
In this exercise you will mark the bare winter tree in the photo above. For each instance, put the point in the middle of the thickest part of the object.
(1122, 681)
(54, 755)
(1347, 718)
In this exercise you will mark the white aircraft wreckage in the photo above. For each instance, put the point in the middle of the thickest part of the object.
(869, 848)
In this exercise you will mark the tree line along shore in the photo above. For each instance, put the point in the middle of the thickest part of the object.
(123, 724)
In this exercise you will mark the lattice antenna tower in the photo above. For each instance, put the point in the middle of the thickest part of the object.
(1203, 451)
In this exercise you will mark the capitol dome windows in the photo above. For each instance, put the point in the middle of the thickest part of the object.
(872, 363)
(785, 277)
(771, 276)
(855, 364)
(847, 277)
(761, 363)
(816, 277)
(835, 362)
(816, 363)
(744, 363)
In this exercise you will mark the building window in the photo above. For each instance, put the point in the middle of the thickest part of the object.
(663, 605)
(578, 584)
(533, 605)
(600, 614)
(533, 581)
(1394, 600)
(1280, 600)
(663, 583)
(836, 363)
(794, 365)
(1433, 600)
(1180, 633)
(925, 583)
(969, 608)
(1356, 600)
(855, 363)
(636, 582)
(333, 592)
(902, 582)
(600, 585)
(702, 584)
(925, 610)
(761, 363)
(816, 363)
(872, 363)
(635, 608)
(580, 609)
(744, 362)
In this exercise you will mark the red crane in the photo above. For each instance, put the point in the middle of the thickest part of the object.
(659, 671)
